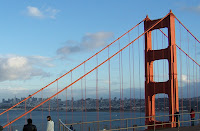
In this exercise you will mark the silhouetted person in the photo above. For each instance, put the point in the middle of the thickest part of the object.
(135, 129)
(1, 128)
(50, 124)
(177, 117)
(71, 127)
(29, 126)
(192, 116)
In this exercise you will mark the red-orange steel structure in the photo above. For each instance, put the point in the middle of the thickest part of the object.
(152, 88)
(169, 87)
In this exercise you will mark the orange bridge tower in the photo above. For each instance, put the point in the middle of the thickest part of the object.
(169, 87)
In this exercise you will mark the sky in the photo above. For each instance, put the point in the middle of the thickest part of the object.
(41, 39)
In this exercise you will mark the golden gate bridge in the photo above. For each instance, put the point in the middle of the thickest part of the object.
(149, 58)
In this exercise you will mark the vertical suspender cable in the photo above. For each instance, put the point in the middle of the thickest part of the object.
(158, 77)
(72, 99)
(25, 111)
(196, 76)
(194, 86)
(97, 95)
(82, 98)
(187, 83)
(133, 85)
(163, 40)
(167, 72)
(66, 108)
(109, 88)
(130, 77)
(85, 96)
(163, 72)
(120, 86)
(42, 112)
(153, 48)
(49, 107)
(190, 91)
(85, 100)
(82, 102)
(139, 75)
(143, 50)
(181, 75)
(8, 120)
(57, 106)
(30, 115)
(193, 96)
(189, 72)
(198, 92)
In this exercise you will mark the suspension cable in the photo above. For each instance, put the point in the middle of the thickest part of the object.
(85, 74)
(183, 51)
(71, 69)
(186, 29)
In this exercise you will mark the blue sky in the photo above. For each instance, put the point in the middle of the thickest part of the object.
(43, 39)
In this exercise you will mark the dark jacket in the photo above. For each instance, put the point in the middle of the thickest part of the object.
(29, 127)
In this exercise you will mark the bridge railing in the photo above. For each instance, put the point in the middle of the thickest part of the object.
(184, 120)
(63, 127)
(127, 125)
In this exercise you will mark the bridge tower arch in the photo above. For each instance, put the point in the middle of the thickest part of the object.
(169, 87)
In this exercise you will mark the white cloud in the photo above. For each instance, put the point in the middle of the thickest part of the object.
(90, 41)
(195, 9)
(42, 13)
(13, 67)
(41, 61)
(13, 90)
(51, 13)
(190, 79)
(184, 78)
(34, 11)
(95, 40)
(68, 49)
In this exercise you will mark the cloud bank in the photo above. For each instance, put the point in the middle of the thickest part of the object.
(45, 13)
(90, 41)
(195, 9)
(15, 67)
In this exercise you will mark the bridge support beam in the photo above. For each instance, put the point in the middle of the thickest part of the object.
(169, 87)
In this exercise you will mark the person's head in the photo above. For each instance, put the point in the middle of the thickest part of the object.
(29, 121)
(192, 110)
(1, 128)
(48, 118)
